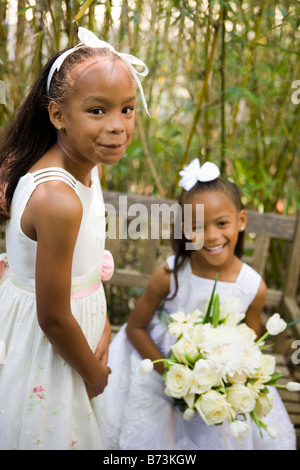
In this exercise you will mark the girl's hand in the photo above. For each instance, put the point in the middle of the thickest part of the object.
(101, 352)
(93, 390)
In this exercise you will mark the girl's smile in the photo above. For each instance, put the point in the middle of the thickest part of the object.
(215, 250)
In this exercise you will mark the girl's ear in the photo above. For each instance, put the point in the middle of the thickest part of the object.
(55, 115)
(242, 222)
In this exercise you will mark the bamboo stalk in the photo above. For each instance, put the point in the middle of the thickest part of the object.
(201, 97)
(56, 33)
(82, 10)
(148, 157)
(248, 68)
(222, 71)
(206, 112)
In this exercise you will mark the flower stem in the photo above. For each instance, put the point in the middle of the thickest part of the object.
(260, 340)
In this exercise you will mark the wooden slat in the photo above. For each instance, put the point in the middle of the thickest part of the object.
(271, 225)
(292, 278)
(291, 312)
(128, 278)
(260, 254)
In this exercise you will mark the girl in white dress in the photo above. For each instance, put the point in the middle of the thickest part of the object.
(53, 323)
(140, 415)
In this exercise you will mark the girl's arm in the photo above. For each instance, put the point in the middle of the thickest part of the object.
(55, 212)
(253, 314)
(143, 312)
(102, 349)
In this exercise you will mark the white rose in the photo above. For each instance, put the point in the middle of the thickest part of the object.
(183, 347)
(237, 378)
(175, 329)
(199, 333)
(275, 324)
(205, 376)
(264, 404)
(267, 368)
(213, 407)
(178, 381)
(246, 331)
(230, 310)
(146, 366)
(230, 305)
(241, 398)
(238, 429)
(268, 364)
(234, 319)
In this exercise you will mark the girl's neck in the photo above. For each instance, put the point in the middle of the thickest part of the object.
(227, 272)
(80, 171)
(56, 156)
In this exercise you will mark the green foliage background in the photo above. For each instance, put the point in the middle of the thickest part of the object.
(219, 88)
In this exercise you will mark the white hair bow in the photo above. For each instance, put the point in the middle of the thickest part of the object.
(89, 39)
(194, 172)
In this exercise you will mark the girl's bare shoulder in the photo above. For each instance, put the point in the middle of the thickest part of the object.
(53, 204)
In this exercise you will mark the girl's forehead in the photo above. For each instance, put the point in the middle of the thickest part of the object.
(102, 67)
(103, 75)
(213, 199)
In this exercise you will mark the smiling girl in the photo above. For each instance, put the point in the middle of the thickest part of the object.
(78, 115)
(141, 416)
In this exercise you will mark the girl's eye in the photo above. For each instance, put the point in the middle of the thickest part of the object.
(127, 109)
(97, 111)
(223, 223)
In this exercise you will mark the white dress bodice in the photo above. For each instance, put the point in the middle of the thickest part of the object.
(21, 250)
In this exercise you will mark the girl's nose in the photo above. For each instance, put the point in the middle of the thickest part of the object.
(115, 125)
(211, 234)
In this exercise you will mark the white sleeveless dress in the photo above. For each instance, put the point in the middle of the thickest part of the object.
(43, 401)
(141, 416)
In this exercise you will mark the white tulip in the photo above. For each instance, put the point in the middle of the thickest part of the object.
(238, 429)
(272, 432)
(275, 324)
(146, 366)
(2, 352)
(293, 387)
(188, 414)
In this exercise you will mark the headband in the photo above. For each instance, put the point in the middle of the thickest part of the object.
(194, 172)
(89, 39)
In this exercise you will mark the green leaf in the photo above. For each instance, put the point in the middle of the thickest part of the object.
(274, 379)
(216, 311)
(210, 303)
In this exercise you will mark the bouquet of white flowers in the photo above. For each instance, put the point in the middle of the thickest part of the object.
(217, 367)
